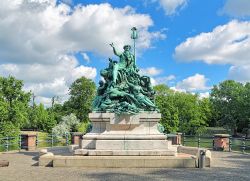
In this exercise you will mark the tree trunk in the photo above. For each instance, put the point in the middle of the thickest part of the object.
(235, 131)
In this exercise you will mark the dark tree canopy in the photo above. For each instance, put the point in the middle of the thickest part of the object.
(231, 101)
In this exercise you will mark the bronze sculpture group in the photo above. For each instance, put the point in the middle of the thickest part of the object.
(124, 90)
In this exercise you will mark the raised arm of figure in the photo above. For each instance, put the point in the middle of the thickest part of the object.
(114, 50)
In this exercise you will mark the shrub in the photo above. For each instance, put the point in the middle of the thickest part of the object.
(69, 123)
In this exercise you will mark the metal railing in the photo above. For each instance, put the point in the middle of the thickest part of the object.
(9, 143)
(50, 140)
(234, 143)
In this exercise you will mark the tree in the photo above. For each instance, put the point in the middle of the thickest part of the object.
(207, 111)
(13, 104)
(230, 100)
(183, 112)
(82, 92)
(165, 102)
(58, 112)
(247, 104)
(191, 118)
(41, 118)
(45, 119)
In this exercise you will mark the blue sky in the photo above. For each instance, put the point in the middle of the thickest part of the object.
(193, 18)
(190, 45)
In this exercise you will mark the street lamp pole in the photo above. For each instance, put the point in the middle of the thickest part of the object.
(134, 36)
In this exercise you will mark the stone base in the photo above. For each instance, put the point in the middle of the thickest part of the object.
(125, 135)
(187, 157)
(125, 161)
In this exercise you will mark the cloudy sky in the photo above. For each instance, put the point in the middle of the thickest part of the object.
(190, 45)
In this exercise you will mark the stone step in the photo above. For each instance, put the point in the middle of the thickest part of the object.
(124, 161)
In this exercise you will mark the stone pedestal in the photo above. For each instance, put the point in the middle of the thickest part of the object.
(125, 135)
(76, 137)
(177, 139)
(221, 142)
(28, 141)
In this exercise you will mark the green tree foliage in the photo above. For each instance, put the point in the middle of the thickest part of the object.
(207, 111)
(82, 92)
(247, 104)
(165, 102)
(190, 114)
(41, 118)
(9, 129)
(231, 101)
(13, 105)
(84, 127)
(58, 112)
(181, 111)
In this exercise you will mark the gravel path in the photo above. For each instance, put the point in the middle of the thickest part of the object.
(225, 166)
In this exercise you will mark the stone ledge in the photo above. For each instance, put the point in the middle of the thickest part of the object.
(72, 148)
(85, 152)
(124, 161)
(103, 136)
(195, 152)
(46, 160)
(145, 116)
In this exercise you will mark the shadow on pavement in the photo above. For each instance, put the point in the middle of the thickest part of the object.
(34, 154)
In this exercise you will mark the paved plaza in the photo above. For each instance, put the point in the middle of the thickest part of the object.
(23, 167)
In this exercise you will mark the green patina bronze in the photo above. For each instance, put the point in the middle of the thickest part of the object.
(124, 90)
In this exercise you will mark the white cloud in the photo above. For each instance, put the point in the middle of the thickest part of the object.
(153, 81)
(46, 81)
(172, 6)
(45, 100)
(236, 8)
(177, 89)
(85, 57)
(204, 95)
(56, 88)
(240, 73)
(93, 27)
(66, 67)
(226, 44)
(151, 71)
(162, 80)
(196, 82)
(39, 38)
(42, 31)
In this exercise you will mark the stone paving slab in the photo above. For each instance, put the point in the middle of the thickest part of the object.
(225, 166)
